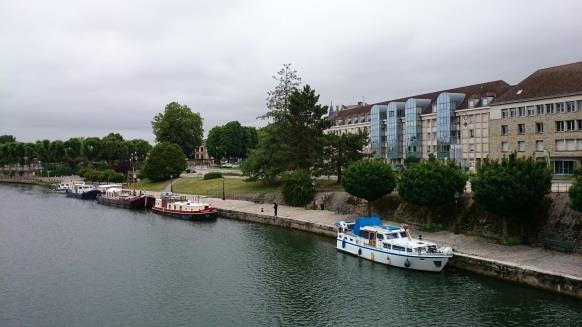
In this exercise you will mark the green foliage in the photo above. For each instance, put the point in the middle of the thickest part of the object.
(166, 160)
(270, 158)
(108, 175)
(7, 139)
(339, 151)
(278, 99)
(411, 161)
(432, 182)
(231, 141)
(369, 179)
(179, 125)
(575, 194)
(298, 188)
(511, 186)
(213, 175)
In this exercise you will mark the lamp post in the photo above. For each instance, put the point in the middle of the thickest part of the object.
(223, 197)
(456, 225)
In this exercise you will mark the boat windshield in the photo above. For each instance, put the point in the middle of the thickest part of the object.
(391, 236)
(403, 234)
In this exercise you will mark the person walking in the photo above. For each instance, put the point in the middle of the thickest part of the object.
(275, 206)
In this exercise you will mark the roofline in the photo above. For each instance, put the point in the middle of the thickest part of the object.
(495, 103)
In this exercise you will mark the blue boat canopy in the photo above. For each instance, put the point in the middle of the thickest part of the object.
(366, 221)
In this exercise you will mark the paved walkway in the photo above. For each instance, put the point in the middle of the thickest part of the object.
(554, 262)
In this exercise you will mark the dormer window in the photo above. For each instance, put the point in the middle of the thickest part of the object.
(471, 103)
(484, 101)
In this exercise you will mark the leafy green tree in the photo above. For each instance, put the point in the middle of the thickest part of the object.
(7, 139)
(304, 125)
(575, 191)
(43, 150)
(298, 189)
(369, 179)
(216, 144)
(340, 151)
(432, 183)
(179, 125)
(113, 137)
(288, 81)
(511, 187)
(166, 160)
(92, 148)
(270, 158)
(141, 148)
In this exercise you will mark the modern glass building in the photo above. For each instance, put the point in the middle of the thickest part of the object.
(413, 126)
(378, 131)
(394, 131)
(447, 130)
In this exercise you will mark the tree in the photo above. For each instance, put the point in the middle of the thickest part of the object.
(92, 148)
(511, 187)
(7, 139)
(369, 179)
(278, 99)
(575, 194)
(166, 160)
(303, 128)
(270, 158)
(215, 144)
(113, 137)
(340, 151)
(432, 183)
(179, 125)
(298, 188)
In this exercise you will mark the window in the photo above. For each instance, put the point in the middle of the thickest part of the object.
(397, 248)
(521, 128)
(549, 108)
(471, 147)
(471, 133)
(560, 107)
(484, 101)
(530, 111)
(504, 113)
(512, 112)
(560, 145)
(504, 147)
(504, 129)
(570, 125)
(571, 106)
(560, 126)
(571, 145)
(579, 123)
(521, 146)
(386, 246)
(521, 112)
(540, 109)
(563, 167)
(539, 145)
(471, 103)
(539, 127)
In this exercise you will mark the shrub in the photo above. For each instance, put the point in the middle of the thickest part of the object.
(213, 175)
(369, 179)
(575, 194)
(165, 161)
(431, 183)
(298, 188)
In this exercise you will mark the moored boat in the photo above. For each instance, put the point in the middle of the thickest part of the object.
(179, 206)
(64, 187)
(390, 245)
(116, 196)
(83, 191)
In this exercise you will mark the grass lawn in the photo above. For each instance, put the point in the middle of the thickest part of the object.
(214, 186)
(145, 184)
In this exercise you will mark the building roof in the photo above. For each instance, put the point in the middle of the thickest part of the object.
(494, 88)
(546, 83)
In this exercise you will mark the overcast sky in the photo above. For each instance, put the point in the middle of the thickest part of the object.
(85, 68)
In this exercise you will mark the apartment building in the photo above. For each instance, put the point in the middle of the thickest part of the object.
(542, 115)
(350, 119)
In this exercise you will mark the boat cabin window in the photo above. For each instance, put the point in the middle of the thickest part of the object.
(392, 236)
(408, 250)
(386, 246)
(397, 248)
(364, 234)
(403, 234)
(380, 236)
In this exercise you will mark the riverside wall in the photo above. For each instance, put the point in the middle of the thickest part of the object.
(549, 281)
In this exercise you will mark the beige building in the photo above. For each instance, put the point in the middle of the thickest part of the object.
(542, 115)
(350, 119)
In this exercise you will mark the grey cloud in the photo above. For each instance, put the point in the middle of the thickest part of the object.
(84, 68)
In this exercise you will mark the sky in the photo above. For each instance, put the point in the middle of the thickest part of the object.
(87, 68)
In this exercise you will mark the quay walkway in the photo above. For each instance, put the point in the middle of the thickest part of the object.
(546, 269)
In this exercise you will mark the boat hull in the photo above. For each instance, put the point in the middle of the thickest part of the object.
(434, 263)
(210, 214)
(136, 202)
(90, 195)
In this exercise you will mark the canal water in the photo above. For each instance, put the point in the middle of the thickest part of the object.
(68, 262)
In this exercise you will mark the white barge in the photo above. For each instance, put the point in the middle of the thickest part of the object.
(390, 245)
